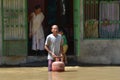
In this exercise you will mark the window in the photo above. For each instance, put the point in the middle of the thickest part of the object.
(102, 19)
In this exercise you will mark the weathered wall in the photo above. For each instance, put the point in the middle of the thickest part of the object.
(98, 51)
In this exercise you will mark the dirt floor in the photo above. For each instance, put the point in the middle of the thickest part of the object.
(71, 73)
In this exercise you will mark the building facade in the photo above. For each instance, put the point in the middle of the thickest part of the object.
(99, 32)
(91, 26)
(15, 47)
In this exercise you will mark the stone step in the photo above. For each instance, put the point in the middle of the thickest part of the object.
(35, 61)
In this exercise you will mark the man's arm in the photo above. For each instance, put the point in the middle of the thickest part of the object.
(49, 51)
(30, 25)
(42, 18)
(61, 50)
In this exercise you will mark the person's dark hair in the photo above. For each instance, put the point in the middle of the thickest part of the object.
(37, 6)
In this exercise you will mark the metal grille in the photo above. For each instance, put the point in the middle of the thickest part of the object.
(14, 27)
(101, 19)
(14, 22)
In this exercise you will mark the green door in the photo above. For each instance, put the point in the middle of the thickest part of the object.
(14, 27)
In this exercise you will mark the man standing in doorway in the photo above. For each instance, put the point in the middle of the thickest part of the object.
(36, 30)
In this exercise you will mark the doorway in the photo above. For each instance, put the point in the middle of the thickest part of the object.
(58, 12)
(31, 7)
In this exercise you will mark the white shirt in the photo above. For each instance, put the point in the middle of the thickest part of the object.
(36, 25)
(54, 43)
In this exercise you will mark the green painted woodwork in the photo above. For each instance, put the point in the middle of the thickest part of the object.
(14, 27)
(77, 26)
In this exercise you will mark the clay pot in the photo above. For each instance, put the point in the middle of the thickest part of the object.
(58, 66)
